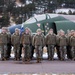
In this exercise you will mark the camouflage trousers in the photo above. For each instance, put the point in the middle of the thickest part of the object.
(27, 52)
(39, 52)
(50, 51)
(62, 50)
(73, 52)
(17, 51)
(3, 51)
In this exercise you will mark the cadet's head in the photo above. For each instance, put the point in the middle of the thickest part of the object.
(72, 32)
(58, 32)
(51, 31)
(39, 31)
(17, 31)
(3, 30)
(62, 33)
(27, 31)
(7, 30)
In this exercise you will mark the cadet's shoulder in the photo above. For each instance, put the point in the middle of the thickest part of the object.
(0, 34)
(66, 36)
(35, 35)
(54, 34)
(47, 35)
(57, 35)
(13, 34)
(71, 36)
(30, 35)
(23, 33)
(9, 33)
(42, 34)
(4, 33)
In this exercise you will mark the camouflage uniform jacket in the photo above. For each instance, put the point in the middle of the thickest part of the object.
(72, 41)
(38, 40)
(3, 38)
(15, 39)
(62, 40)
(26, 39)
(50, 39)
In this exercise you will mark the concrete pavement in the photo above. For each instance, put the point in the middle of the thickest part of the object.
(50, 67)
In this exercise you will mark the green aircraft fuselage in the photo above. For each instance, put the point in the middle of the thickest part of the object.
(56, 23)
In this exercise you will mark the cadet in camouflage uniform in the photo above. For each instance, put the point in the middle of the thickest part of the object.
(69, 34)
(38, 42)
(3, 44)
(57, 44)
(62, 40)
(31, 46)
(72, 44)
(50, 42)
(8, 44)
(15, 40)
(26, 40)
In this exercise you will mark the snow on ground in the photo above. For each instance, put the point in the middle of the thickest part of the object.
(45, 55)
(66, 10)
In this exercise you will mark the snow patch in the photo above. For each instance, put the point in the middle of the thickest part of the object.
(66, 10)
